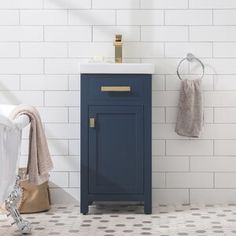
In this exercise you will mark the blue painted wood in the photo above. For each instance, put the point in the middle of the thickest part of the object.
(84, 170)
(136, 82)
(116, 154)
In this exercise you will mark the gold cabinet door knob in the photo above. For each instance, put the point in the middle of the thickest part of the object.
(92, 122)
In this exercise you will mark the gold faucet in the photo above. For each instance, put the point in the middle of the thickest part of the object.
(118, 48)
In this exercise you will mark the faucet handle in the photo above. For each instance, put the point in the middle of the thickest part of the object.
(118, 38)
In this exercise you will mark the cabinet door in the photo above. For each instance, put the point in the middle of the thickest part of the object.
(116, 150)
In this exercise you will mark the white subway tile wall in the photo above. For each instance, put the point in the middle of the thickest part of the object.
(42, 43)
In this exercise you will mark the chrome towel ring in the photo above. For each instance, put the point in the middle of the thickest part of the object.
(190, 57)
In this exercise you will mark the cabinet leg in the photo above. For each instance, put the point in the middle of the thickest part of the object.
(148, 207)
(84, 208)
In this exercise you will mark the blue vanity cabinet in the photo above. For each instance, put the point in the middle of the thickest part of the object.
(115, 139)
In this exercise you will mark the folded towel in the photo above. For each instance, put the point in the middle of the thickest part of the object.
(3, 211)
(39, 161)
(190, 114)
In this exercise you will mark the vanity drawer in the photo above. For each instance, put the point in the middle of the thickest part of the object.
(115, 86)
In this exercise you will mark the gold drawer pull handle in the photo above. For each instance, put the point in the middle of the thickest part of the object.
(115, 89)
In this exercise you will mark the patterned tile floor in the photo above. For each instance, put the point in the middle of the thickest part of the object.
(202, 220)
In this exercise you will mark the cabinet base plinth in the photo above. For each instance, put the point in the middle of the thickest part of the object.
(84, 209)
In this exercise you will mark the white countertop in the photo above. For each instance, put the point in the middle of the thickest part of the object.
(113, 68)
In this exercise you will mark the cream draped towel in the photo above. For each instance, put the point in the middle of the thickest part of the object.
(39, 160)
(190, 114)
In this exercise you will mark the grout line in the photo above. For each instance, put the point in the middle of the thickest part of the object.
(43, 33)
(44, 102)
(116, 17)
(19, 45)
(67, 16)
(131, 25)
(189, 197)
(140, 33)
(212, 17)
(92, 33)
(212, 49)
(20, 82)
(164, 17)
(165, 175)
(165, 113)
(44, 66)
(165, 147)
(68, 173)
(19, 15)
(214, 181)
(68, 83)
(164, 49)
(189, 163)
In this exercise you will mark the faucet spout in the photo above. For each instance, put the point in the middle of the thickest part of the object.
(118, 48)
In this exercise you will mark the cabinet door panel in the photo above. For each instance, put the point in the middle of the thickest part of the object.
(116, 150)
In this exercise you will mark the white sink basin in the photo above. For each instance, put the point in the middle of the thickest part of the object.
(112, 68)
